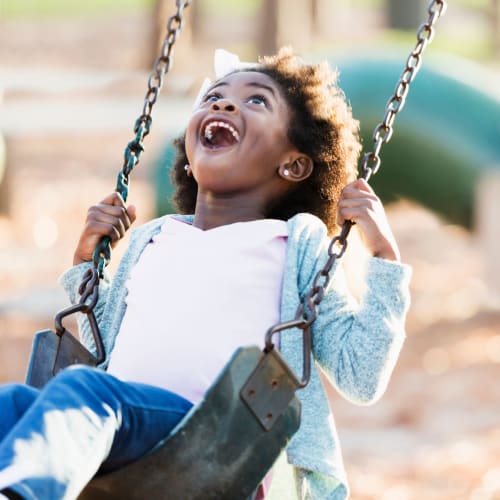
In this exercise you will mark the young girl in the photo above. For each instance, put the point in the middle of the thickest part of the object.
(266, 169)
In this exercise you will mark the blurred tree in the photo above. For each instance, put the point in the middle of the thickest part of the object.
(4, 184)
(287, 22)
(405, 14)
(325, 18)
(161, 12)
(495, 8)
(267, 42)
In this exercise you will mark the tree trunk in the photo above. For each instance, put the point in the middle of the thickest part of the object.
(161, 12)
(405, 14)
(285, 22)
(495, 19)
(4, 179)
(267, 42)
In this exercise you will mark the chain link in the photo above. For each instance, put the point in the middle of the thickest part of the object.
(142, 125)
(371, 160)
(135, 148)
(384, 130)
(307, 311)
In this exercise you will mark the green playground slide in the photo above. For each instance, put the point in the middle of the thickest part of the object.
(445, 137)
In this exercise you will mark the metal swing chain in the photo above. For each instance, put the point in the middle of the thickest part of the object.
(307, 311)
(133, 151)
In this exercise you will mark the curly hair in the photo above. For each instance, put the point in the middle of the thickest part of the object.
(321, 127)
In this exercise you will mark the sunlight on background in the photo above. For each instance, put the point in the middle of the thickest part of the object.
(493, 348)
(436, 361)
(45, 232)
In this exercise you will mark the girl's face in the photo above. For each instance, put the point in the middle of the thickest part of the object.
(237, 138)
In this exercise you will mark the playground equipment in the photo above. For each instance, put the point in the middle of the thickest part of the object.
(253, 401)
(447, 138)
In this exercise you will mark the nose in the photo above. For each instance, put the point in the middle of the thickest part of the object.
(223, 105)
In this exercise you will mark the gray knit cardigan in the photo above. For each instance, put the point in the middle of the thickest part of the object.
(356, 343)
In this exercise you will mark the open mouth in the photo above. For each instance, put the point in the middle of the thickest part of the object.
(217, 134)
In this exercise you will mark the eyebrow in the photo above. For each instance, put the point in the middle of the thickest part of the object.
(249, 84)
(262, 86)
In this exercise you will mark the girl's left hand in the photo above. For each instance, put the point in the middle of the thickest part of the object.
(359, 203)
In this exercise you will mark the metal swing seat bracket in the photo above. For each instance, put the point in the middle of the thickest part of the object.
(54, 350)
(227, 443)
(272, 384)
(224, 446)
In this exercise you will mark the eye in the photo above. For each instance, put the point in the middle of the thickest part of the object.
(258, 99)
(212, 97)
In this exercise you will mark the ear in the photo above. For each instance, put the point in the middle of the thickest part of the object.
(296, 169)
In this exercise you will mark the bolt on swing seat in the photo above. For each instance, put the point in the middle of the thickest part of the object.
(225, 445)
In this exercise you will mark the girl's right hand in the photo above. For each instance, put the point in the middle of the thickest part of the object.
(110, 217)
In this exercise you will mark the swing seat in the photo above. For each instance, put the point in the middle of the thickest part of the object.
(224, 446)
(51, 352)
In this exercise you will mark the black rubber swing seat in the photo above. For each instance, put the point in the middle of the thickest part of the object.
(224, 446)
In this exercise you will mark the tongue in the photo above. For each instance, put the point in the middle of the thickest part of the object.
(222, 138)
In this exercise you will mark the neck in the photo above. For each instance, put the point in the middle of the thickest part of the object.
(213, 211)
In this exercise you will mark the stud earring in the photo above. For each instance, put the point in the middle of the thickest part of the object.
(286, 172)
(187, 169)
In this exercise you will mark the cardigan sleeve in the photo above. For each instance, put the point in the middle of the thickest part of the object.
(71, 280)
(357, 343)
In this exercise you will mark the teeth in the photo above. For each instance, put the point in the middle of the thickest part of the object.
(210, 128)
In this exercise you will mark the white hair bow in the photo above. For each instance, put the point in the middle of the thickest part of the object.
(224, 63)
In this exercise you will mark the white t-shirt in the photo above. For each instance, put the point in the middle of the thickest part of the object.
(194, 297)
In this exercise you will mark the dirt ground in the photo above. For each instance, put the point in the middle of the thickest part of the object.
(436, 432)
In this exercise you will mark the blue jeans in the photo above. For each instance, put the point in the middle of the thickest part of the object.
(53, 441)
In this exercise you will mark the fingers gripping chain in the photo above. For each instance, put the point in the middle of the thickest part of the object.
(307, 310)
(382, 135)
(135, 148)
(90, 284)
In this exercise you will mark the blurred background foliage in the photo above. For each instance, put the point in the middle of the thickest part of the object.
(471, 42)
